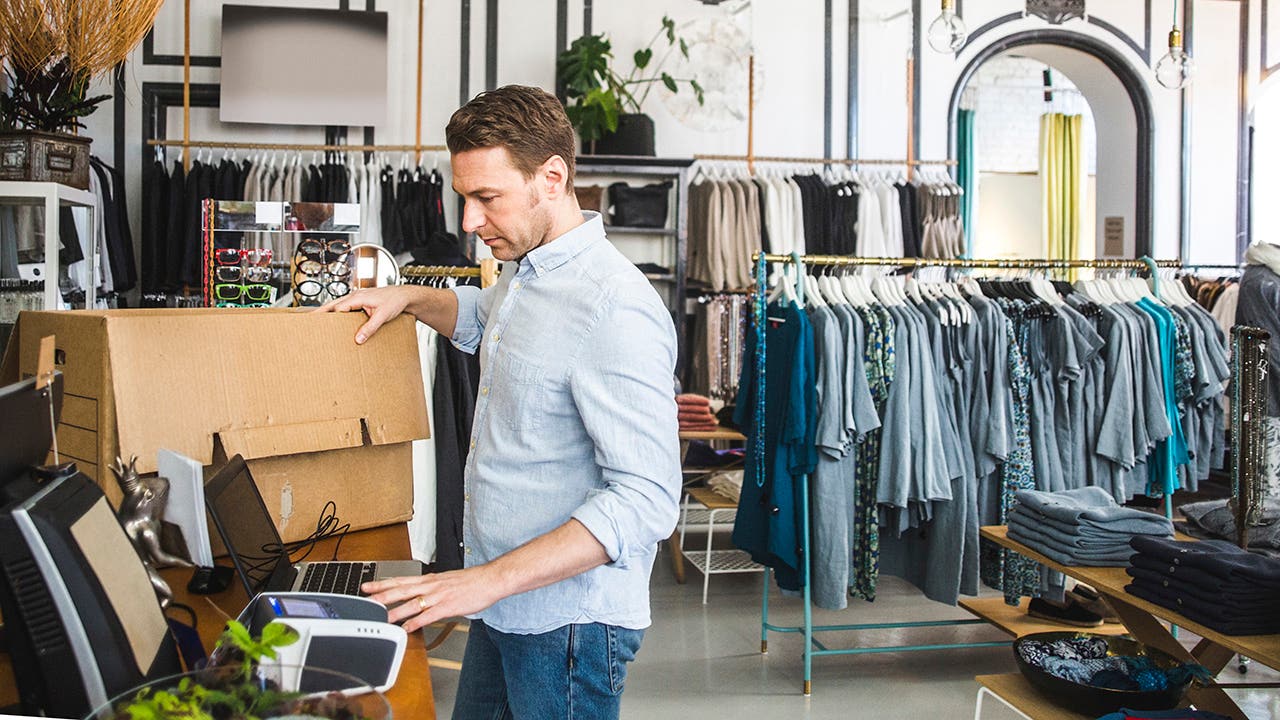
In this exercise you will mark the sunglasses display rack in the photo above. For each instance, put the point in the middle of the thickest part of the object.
(240, 273)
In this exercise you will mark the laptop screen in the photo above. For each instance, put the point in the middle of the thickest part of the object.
(245, 525)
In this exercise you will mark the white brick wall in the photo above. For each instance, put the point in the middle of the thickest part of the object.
(1007, 94)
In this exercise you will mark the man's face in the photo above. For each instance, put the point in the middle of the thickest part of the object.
(509, 212)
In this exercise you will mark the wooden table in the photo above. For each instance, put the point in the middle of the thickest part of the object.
(410, 697)
(1143, 619)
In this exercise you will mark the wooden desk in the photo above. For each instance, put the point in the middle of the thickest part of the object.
(1143, 619)
(410, 697)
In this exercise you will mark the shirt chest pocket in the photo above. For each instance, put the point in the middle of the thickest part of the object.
(522, 387)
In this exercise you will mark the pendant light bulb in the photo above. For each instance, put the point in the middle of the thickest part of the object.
(1176, 68)
(947, 32)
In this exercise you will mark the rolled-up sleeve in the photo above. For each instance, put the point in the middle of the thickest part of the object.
(622, 386)
(468, 330)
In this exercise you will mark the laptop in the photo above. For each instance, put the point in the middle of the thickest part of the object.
(261, 561)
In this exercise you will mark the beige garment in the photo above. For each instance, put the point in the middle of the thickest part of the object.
(726, 209)
(716, 228)
(748, 235)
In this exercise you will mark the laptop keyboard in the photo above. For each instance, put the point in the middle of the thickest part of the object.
(343, 578)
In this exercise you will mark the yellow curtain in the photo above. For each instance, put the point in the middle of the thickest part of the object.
(1060, 178)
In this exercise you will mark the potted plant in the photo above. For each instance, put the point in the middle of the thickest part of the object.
(51, 52)
(241, 683)
(606, 108)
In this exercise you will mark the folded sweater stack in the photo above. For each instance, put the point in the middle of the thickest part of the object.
(694, 413)
(1084, 526)
(1212, 582)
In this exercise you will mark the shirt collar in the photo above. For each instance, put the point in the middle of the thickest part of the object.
(562, 249)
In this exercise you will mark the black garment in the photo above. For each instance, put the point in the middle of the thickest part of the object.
(155, 221)
(119, 241)
(175, 228)
(1226, 619)
(1216, 557)
(199, 188)
(441, 248)
(454, 397)
(70, 250)
(391, 235)
(908, 202)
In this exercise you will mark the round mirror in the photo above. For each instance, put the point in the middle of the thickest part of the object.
(373, 266)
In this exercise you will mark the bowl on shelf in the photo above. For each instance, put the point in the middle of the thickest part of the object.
(1096, 701)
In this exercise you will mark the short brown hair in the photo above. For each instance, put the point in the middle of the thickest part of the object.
(528, 121)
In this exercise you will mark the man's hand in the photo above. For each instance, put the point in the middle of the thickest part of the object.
(380, 304)
(429, 598)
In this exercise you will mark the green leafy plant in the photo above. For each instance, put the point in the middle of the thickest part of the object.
(51, 98)
(229, 688)
(595, 94)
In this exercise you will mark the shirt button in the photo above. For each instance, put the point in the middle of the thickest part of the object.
(515, 285)
(494, 337)
(484, 390)
(473, 444)
(468, 551)
(466, 498)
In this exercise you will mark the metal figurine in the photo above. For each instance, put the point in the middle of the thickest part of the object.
(140, 515)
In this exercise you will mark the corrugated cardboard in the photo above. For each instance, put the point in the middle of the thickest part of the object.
(317, 417)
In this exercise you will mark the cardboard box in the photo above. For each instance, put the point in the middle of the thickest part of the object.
(317, 417)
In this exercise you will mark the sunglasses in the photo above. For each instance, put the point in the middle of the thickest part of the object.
(313, 288)
(253, 292)
(234, 256)
(242, 305)
(324, 250)
(236, 274)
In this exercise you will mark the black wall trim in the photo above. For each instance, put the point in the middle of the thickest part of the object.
(118, 118)
(1134, 85)
(988, 27)
(851, 128)
(916, 25)
(149, 56)
(826, 81)
(464, 64)
(1144, 53)
(1244, 148)
(491, 45)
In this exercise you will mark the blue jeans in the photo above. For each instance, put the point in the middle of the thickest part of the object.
(573, 672)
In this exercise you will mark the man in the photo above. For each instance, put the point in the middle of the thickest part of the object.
(573, 475)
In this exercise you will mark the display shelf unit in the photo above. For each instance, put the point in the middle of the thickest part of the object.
(667, 245)
(1016, 622)
(54, 196)
(704, 508)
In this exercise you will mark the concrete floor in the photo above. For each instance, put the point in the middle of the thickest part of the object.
(703, 661)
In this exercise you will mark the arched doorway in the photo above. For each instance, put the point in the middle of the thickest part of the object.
(1122, 107)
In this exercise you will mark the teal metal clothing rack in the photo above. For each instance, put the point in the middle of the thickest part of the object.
(812, 646)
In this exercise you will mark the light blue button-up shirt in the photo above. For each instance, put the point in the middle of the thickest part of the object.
(575, 417)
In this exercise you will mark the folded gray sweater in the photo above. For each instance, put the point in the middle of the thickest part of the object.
(1093, 507)
(1067, 555)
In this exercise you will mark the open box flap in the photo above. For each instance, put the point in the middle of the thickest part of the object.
(266, 382)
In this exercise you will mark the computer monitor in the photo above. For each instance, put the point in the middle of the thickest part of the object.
(81, 620)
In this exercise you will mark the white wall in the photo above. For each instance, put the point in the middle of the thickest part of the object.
(788, 39)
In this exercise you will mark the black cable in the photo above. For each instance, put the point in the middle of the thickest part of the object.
(327, 526)
(190, 611)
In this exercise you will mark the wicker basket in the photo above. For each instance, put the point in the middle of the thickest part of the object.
(45, 157)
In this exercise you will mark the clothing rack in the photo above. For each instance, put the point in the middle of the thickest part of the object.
(228, 145)
(487, 271)
(813, 647)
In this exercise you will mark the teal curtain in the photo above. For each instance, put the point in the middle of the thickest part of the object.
(967, 173)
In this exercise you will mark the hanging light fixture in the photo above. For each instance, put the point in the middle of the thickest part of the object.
(1175, 69)
(947, 32)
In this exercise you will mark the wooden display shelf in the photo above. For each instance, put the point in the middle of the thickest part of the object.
(711, 499)
(1016, 622)
(1015, 691)
(1110, 581)
(720, 433)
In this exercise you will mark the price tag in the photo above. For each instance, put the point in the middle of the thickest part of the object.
(346, 214)
(268, 213)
